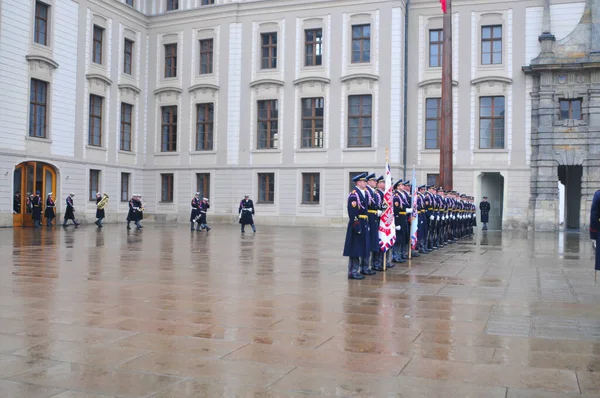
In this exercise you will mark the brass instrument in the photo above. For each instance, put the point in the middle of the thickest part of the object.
(102, 204)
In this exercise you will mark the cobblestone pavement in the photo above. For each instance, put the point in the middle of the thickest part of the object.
(165, 312)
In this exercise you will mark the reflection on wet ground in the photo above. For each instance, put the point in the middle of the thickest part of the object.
(165, 312)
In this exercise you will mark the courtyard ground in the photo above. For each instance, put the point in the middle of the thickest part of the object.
(165, 312)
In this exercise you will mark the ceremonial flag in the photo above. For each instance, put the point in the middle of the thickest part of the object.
(387, 227)
(443, 5)
(414, 224)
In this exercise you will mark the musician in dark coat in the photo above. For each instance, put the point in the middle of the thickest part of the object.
(49, 212)
(70, 212)
(246, 212)
(134, 214)
(36, 205)
(100, 214)
(357, 244)
(194, 215)
(203, 208)
(17, 203)
(595, 226)
(484, 209)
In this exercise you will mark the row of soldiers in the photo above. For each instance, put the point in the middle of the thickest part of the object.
(443, 218)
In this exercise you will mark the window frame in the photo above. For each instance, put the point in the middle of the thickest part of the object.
(170, 54)
(208, 122)
(438, 118)
(95, 119)
(37, 19)
(271, 142)
(207, 2)
(96, 173)
(271, 48)
(171, 125)
(315, 45)
(97, 44)
(492, 119)
(124, 125)
(492, 40)
(130, 3)
(361, 40)
(360, 118)
(128, 53)
(206, 56)
(436, 178)
(314, 119)
(125, 177)
(203, 179)
(440, 47)
(570, 101)
(34, 106)
(168, 179)
(311, 179)
(269, 182)
(172, 5)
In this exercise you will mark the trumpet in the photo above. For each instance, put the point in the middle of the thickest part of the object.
(102, 204)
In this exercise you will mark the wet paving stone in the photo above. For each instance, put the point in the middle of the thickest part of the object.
(166, 313)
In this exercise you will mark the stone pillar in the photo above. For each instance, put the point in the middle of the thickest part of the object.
(591, 176)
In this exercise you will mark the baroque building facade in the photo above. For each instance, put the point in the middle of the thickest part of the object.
(284, 100)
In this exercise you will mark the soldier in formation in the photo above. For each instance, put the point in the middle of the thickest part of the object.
(36, 206)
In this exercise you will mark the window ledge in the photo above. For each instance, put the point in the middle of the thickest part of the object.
(124, 152)
(266, 204)
(313, 68)
(38, 139)
(95, 148)
(492, 67)
(166, 153)
(307, 150)
(274, 151)
(211, 152)
(310, 205)
(430, 151)
(490, 151)
(360, 149)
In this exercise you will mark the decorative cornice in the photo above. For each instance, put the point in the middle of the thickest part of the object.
(499, 79)
(53, 64)
(355, 76)
(91, 76)
(429, 82)
(267, 81)
(167, 89)
(205, 86)
(312, 79)
(126, 86)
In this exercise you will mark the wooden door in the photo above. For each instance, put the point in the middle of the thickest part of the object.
(19, 200)
(48, 185)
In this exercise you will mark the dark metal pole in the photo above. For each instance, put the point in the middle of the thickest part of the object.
(446, 166)
(405, 100)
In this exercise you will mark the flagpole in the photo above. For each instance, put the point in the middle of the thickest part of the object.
(446, 150)
(387, 151)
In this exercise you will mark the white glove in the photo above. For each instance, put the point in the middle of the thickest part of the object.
(438, 218)
(379, 213)
(398, 228)
(432, 218)
(454, 217)
(408, 211)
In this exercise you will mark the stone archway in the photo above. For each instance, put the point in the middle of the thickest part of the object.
(28, 178)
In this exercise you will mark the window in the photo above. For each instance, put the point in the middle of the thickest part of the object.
(38, 101)
(361, 43)
(310, 188)
(204, 127)
(129, 2)
(491, 45)
(168, 139)
(171, 60)
(570, 109)
(97, 47)
(126, 112)
(312, 122)
(172, 5)
(95, 122)
(436, 46)
(203, 184)
(266, 187)
(166, 187)
(267, 124)
(128, 57)
(94, 184)
(268, 50)
(353, 174)
(124, 187)
(205, 3)
(206, 56)
(359, 120)
(40, 35)
(432, 179)
(313, 39)
(491, 122)
(433, 123)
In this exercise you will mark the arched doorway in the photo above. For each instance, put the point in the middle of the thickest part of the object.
(28, 178)
(492, 186)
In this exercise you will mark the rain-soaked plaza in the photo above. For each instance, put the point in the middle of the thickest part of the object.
(165, 312)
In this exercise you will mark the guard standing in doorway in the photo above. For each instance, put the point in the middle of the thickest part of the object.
(49, 212)
(484, 208)
(36, 205)
(595, 225)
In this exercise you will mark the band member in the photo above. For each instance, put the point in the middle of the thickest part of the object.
(36, 205)
(49, 212)
(17, 203)
(100, 215)
(195, 214)
(357, 241)
(70, 212)
(134, 214)
(246, 212)
(204, 206)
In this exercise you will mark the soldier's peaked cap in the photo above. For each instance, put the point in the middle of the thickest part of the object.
(380, 179)
(398, 183)
(371, 177)
(360, 177)
(423, 187)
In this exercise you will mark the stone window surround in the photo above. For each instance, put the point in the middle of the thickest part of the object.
(204, 94)
(565, 94)
(169, 96)
(130, 35)
(130, 95)
(478, 122)
(47, 110)
(489, 19)
(433, 23)
(99, 86)
(306, 207)
(310, 24)
(362, 18)
(50, 25)
(204, 34)
(101, 22)
(194, 177)
(171, 204)
(164, 40)
(304, 89)
(264, 91)
(37, 66)
(355, 85)
(274, 206)
(274, 26)
(101, 169)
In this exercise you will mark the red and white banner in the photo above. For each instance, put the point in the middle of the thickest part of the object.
(387, 226)
(443, 5)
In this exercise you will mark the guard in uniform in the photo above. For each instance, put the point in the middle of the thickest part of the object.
(100, 214)
(17, 203)
(369, 267)
(203, 208)
(357, 241)
(49, 212)
(400, 222)
(409, 212)
(381, 193)
(134, 212)
(70, 212)
(195, 215)
(246, 212)
(484, 209)
(422, 227)
(430, 217)
(595, 226)
(36, 205)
